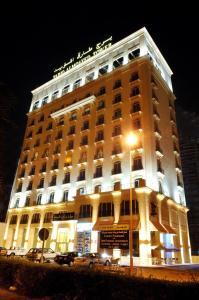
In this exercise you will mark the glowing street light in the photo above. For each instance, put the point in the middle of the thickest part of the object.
(131, 140)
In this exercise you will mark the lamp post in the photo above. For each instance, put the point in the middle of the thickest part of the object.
(131, 141)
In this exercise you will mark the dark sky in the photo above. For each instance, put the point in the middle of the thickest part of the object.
(36, 38)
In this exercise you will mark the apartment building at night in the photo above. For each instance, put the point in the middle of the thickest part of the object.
(74, 174)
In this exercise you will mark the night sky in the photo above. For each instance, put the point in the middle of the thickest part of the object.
(38, 38)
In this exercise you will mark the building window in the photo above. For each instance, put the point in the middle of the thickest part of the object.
(117, 186)
(39, 197)
(82, 175)
(86, 111)
(102, 91)
(44, 101)
(65, 195)
(137, 124)
(117, 114)
(32, 171)
(43, 167)
(48, 139)
(59, 135)
(99, 136)
(101, 105)
(133, 54)
(24, 219)
(117, 84)
(29, 187)
(100, 120)
(13, 220)
(98, 171)
(55, 164)
(118, 62)
(138, 182)
(53, 180)
(116, 149)
(35, 218)
(25, 159)
(51, 198)
(50, 125)
(125, 207)
(160, 189)
(70, 145)
(32, 122)
(85, 125)
(106, 209)
(84, 140)
(22, 173)
(41, 119)
(77, 84)
(81, 191)
(97, 189)
(35, 105)
(37, 143)
(73, 116)
(65, 90)
(116, 130)
(16, 205)
(61, 121)
(117, 98)
(99, 153)
(135, 107)
(48, 217)
(89, 77)
(66, 178)
(19, 187)
(85, 211)
(29, 135)
(159, 166)
(27, 203)
(134, 76)
(83, 157)
(57, 149)
(71, 130)
(137, 163)
(116, 168)
(55, 95)
(41, 183)
(135, 91)
(103, 70)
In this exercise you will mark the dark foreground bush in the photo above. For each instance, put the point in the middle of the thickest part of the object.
(60, 283)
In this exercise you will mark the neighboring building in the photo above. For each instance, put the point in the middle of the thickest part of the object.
(74, 173)
(188, 124)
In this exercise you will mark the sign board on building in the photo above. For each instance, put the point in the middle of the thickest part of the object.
(99, 227)
(64, 216)
(114, 239)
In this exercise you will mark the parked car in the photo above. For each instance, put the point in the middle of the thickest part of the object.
(66, 258)
(90, 259)
(34, 254)
(17, 251)
(3, 251)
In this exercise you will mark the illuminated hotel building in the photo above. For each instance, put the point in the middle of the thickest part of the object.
(74, 173)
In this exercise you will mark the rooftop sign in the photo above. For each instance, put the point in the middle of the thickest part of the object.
(83, 56)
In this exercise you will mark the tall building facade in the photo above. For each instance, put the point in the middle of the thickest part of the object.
(74, 175)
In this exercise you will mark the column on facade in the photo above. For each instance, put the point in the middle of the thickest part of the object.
(6, 240)
(144, 232)
(54, 235)
(94, 234)
(42, 215)
(28, 238)
(16, 231)
(160, 197)
(183, 225)
(116, 202)
(72, 232)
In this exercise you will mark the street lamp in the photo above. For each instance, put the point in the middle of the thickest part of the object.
(131, 140)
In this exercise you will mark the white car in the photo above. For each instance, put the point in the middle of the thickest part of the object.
(35, 254)
(17, 251)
